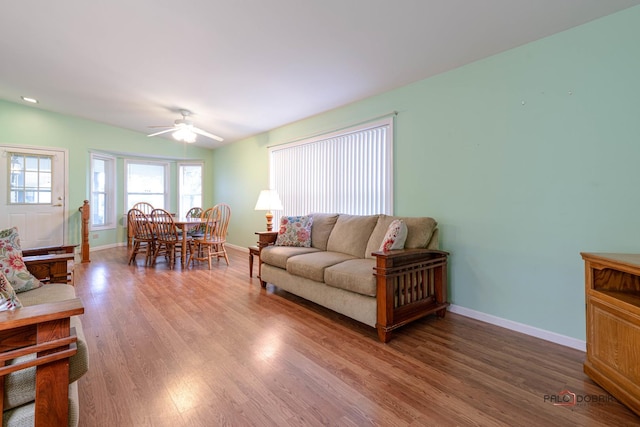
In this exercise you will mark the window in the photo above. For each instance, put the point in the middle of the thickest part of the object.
(30, 179)
(349, 171)
(103, 207)
(146, 182)
(189, 187)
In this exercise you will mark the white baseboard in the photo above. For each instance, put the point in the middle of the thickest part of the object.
(103, 247)
(236, 247)
(520, 327)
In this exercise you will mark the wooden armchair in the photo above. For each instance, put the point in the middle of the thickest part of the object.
(44, 331)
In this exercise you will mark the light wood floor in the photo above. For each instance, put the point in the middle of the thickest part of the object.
(211, 348)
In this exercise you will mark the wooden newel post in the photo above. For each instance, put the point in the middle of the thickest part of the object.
(85, 210)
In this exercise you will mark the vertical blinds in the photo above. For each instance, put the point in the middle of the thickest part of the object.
(347, 172)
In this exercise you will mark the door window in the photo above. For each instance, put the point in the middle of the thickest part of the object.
(30, 177)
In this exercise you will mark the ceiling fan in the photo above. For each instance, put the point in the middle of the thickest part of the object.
(184, 130)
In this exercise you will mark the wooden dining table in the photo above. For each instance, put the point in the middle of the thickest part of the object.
(185, 224)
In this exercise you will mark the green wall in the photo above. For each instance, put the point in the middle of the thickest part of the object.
(525, 159)
(25, 125)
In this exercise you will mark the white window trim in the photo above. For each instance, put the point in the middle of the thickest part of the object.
(167, 171)
(110, 190)
(179, 176)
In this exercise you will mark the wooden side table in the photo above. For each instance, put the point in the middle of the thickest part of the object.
(253, 251)
(265, 238)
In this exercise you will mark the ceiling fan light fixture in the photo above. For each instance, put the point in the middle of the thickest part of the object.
(185, 135)
(183, 130)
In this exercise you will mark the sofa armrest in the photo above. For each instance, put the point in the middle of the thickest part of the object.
(411, 283)
(44, 330)
(407, 254)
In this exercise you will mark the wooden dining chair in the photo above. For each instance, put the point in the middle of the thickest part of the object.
(195, 212)
(167, 240)
(212, 244)
(144, 207)
(142, 235)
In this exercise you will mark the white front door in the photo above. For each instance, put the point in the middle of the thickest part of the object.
(33, 194)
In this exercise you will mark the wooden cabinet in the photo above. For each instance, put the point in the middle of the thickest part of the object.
(613, 324)
(51, 264)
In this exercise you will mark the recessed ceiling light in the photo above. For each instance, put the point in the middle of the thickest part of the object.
(31, 100)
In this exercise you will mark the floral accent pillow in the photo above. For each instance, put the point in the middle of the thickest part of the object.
(395, 237)
(295, 231)
(11, 263)
(8, 298)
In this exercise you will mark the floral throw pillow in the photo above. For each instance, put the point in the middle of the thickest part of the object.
(295, 231)
(11, 263)
(8, 298)
(395, 237)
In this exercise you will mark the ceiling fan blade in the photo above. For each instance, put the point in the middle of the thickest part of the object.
(162, 131)
(207, 134)
(161, 126)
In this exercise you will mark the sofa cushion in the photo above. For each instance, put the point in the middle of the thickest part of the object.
(278, 255)
(395, 236)
(351, 234)
(295, 231)
(11, 263)
(312, 265)
(8, 298)
(321, 230)
(52, 292)
(419, 232)
(355, 275)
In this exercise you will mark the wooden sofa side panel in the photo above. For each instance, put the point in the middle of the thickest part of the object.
(411, 283)
(43, 329)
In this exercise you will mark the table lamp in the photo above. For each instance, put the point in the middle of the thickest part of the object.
(269, 200)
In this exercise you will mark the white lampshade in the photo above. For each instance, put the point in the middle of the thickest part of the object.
(268, 200)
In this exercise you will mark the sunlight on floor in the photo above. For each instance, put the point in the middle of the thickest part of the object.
(268, 346)
(98, 279)
(186, 395)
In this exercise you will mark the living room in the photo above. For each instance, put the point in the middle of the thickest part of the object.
(525, 158)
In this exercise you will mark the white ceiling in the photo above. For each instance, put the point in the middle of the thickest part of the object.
(247, 66)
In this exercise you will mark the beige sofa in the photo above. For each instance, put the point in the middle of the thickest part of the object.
(48, 324)
(344, 271)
